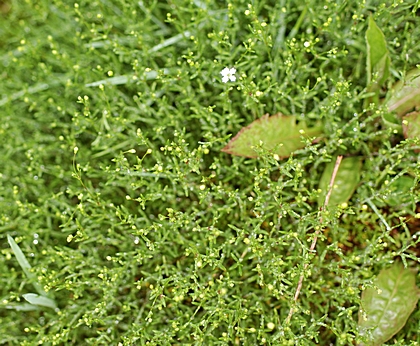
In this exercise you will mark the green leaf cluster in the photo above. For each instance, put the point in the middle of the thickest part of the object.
(119, 208)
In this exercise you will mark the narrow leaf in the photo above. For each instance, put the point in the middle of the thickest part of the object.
(24, 264)
(386, 309)
(33, 89)
(124, 79)
(378, 60)
(23, 307)
(345, 182)
(406, 94)
(36, 299)
(411, 126)
(278, 133)
(170, 41)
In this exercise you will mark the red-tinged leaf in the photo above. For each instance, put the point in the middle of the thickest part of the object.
(280, 134)
(386, 310)
(345, 182)
(411, 126)
(406, 94)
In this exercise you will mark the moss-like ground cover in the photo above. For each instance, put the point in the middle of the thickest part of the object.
(113, 114)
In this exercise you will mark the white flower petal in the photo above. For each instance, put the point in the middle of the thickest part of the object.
(228, 74)
(225, 71)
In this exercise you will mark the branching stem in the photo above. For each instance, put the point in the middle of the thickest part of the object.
(312, 248)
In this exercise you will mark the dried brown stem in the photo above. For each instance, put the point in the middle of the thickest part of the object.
(312, 248)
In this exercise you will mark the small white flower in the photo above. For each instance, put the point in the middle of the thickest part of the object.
(228, 74)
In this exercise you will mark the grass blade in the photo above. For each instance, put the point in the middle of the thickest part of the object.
(22, 307)
(24, 264)
(36, 299)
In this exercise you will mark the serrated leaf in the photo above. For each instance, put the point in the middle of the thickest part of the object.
(386, 310)
(38, 300)
(280, 134)
(378, 60)
(411, 125)
(406, 94)
(345, 182)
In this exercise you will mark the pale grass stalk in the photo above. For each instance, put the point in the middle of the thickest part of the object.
(312, 248)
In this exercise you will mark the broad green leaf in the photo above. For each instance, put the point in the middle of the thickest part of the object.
(406, 94)
(36, 299)
(24, 264)
(392, 121)
(400, 191)
(385, 310)
(378, 60)
(345, 182)
(411, 125)
(278, 133)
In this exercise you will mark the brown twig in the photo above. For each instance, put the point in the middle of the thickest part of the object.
(312, 248)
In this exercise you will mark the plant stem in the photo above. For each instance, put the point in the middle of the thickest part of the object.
(312, 248)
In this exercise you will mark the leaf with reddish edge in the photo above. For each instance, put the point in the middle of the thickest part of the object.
(385, 310)
(411, 126)
(280, 134)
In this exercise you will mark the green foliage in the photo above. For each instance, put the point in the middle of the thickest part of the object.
(378, 60)
(345, 183)
(24, 264)
(411, 126)
(387, 307)
(406, 94)
(115, 189)
(35, 300)
(278, 134)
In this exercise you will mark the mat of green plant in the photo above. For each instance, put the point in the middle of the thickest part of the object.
(170, 172)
